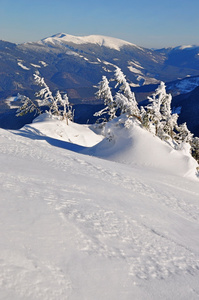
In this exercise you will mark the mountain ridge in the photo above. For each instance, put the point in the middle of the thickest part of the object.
(76, 68)
(101, 40)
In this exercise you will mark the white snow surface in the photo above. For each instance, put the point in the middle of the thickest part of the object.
(128, 143)
(134, 70)
(74, 133)
(10, 101)
(22, 66)
(76, 226)
(185, 85)
(183, 47)
(100, 40)
(136, 64)
(43, 63)
(36, 66)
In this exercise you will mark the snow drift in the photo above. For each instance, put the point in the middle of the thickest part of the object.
(126, 142)
(51, 126)
(123, 141)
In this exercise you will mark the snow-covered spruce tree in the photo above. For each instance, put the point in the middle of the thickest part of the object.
(54, 108)
(151, 115)
(183, 134)
(67, 113)
(125, 98)
(195, 148)
(158, 114)
(123, 102)
(58, 105)
(145, 118)
(45, 93)
(104, 93)
(28, 106)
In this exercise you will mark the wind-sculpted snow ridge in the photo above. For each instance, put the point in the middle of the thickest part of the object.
(128, 143)
(75, 226)
(100, 40)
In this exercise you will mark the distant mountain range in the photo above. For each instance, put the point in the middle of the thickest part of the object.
(75, 64)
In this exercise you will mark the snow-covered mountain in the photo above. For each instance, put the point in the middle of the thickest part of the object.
(76, 226)
(109, 42)
(76, 64)
(104, 53)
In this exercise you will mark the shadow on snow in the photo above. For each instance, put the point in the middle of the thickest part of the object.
(35, 134)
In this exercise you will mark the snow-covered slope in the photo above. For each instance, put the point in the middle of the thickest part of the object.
(183, 86)
(109, 42)
(74, 133)
(132, 145)
(77, 227)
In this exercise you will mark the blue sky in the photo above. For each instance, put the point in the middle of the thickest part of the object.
(148, 23)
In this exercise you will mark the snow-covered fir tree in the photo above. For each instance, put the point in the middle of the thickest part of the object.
(58, 105)
(158, 115)
(104, 93)
(55, 106)
(123, 102)
(45, 93)
(125, 99)
(195, 148)
(66, 111)
(28, 106)
(183, 134)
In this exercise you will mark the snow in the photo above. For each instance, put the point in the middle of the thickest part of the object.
(127, 145)
(134, 70)
(100, 40)
(106, 70)
(11, 102)
(185, 85)
(144, 80)
(108, 63)
(187, 47)
(43, 63)
(73, 53)
(36, 66)
(76, 226)
(135, 67)
(134, 84)
(22, 66)
(136, 64)
(177, 110)
(73, 133)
